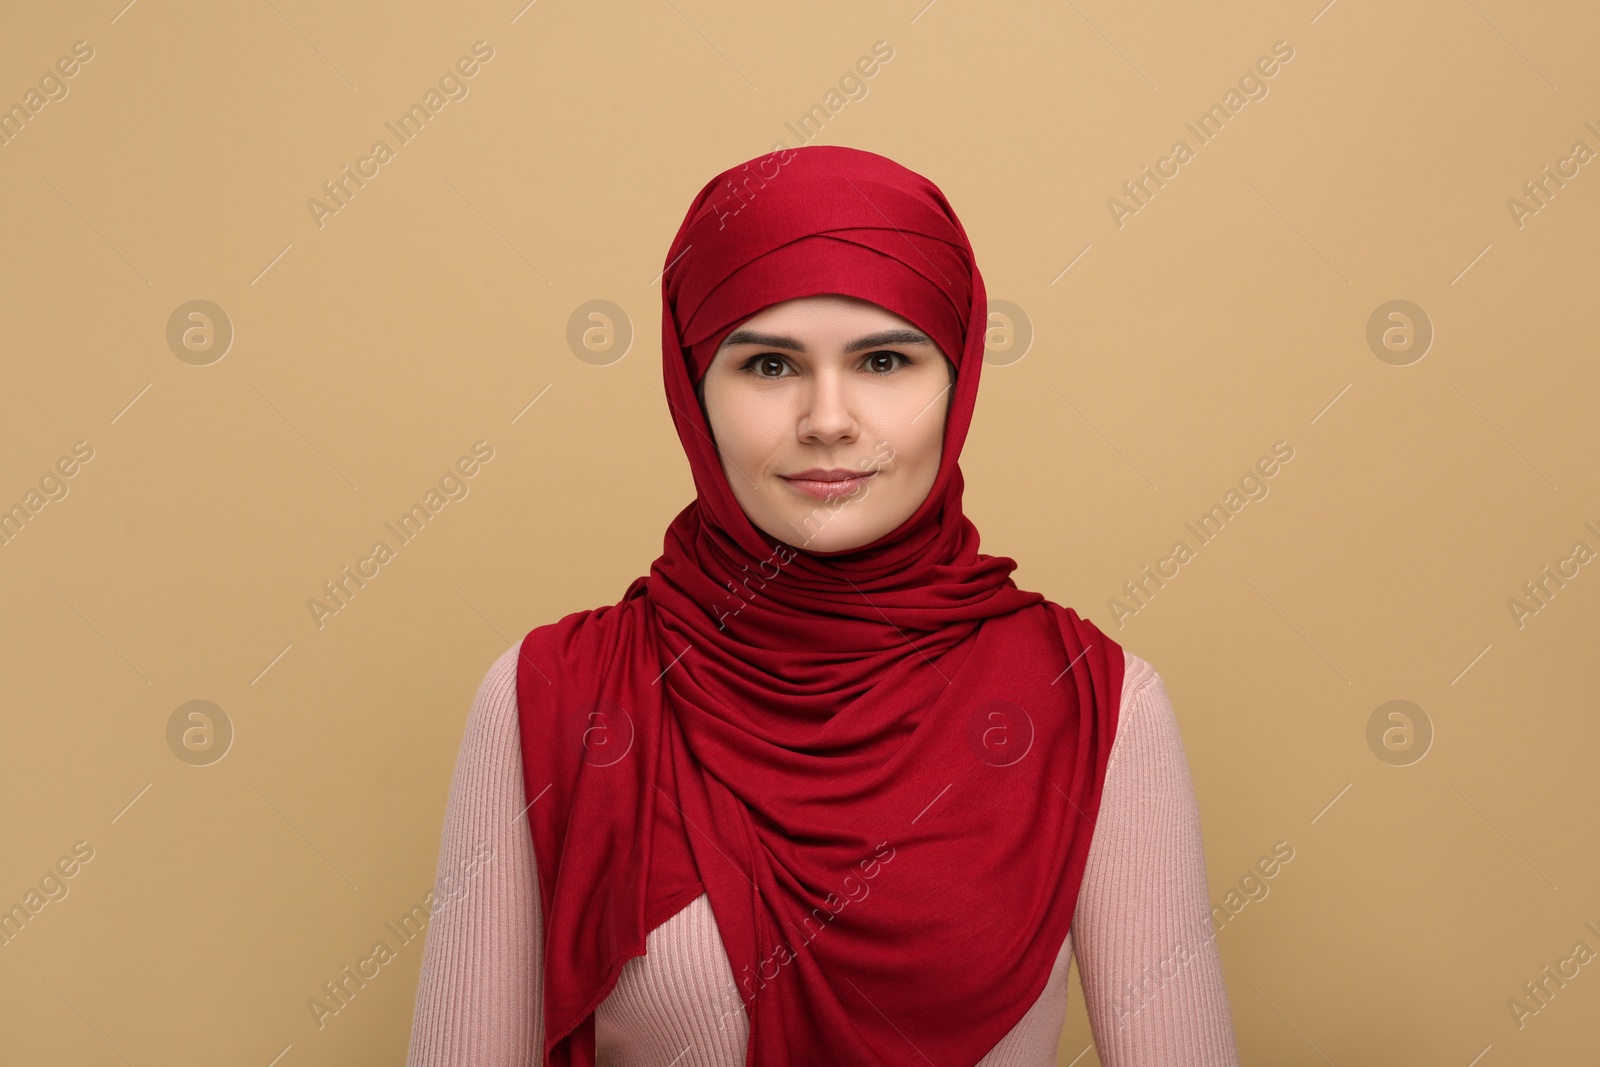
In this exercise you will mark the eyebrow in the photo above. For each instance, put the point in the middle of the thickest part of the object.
(871, 340)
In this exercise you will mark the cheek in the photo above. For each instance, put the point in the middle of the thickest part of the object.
(921, 437)
(748, 433)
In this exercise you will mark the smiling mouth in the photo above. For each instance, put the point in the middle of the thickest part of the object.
(831, 483)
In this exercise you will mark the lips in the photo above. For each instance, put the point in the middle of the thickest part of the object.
(829, 484)
(817, 474)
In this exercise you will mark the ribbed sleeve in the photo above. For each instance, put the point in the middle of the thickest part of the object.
(1152, 978)
(479, 995)
(1141, 932)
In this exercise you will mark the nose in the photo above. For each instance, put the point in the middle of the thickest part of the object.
(827, 416)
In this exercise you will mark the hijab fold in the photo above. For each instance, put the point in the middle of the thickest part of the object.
(882, 765)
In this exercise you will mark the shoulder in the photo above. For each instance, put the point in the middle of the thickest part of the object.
(1137, 676)
(1147, 802)
(502, 672)
(1147, 725)
(493, 720)
(488, 770)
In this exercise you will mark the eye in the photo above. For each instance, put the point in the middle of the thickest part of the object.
(762, 360)
(758, 364)
(891, 357)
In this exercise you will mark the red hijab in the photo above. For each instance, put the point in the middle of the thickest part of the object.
(882, 765)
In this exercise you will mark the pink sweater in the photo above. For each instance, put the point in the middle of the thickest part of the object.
(1141, 931)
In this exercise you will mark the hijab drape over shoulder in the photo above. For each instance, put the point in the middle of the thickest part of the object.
(882, 765)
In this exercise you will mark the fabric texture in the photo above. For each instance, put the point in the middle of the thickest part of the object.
(1146, 955)
(900, 717)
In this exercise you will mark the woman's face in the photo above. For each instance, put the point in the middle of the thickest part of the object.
(831, 387)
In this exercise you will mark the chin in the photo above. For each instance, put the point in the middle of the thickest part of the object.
(838, 536)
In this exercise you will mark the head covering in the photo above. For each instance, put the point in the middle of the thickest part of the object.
(882, 765)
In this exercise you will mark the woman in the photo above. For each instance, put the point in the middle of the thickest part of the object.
(826, 786)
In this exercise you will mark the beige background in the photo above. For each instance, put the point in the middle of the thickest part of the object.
(1228, 313)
